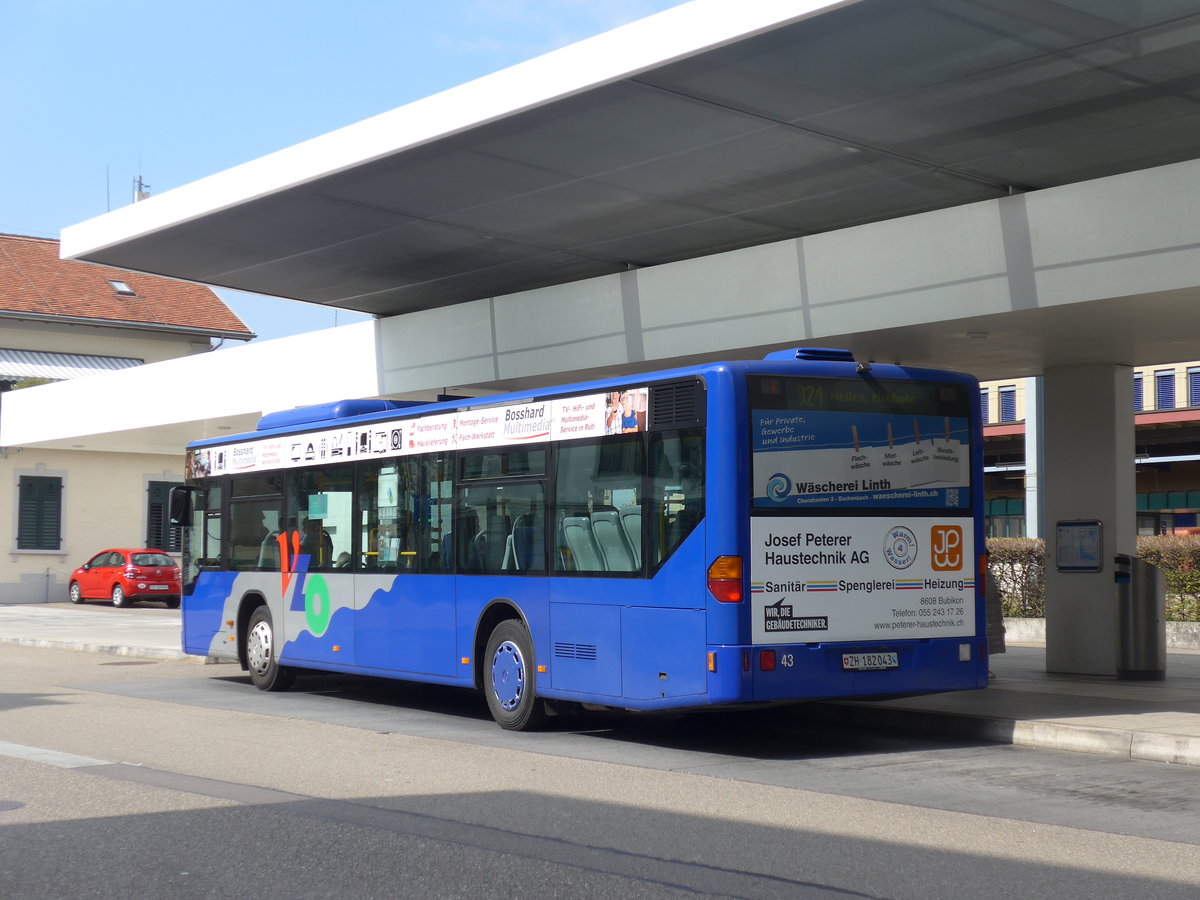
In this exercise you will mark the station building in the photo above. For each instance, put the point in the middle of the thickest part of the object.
(1166, 437)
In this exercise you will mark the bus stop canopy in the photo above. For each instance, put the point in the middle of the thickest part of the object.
(689, 133)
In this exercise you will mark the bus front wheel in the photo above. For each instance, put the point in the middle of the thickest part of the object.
(509, 678)
(265, 672)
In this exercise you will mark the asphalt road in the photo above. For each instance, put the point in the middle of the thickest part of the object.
(127, 778)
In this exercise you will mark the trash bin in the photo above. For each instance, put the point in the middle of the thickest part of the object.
(1141, 620)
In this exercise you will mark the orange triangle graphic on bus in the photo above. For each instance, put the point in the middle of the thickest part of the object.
(286, 559)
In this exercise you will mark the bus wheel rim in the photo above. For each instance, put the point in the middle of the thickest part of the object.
(508, 675)
(258, 648)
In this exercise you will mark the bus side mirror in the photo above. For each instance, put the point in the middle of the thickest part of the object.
(180, 505)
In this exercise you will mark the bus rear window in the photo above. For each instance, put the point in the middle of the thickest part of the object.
(824, 443)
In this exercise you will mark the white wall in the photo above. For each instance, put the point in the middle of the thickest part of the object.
(318, 367)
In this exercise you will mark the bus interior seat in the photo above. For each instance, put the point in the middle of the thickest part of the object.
(610, 537)
(524, 549)
(491, 542)
(465, 528)
(477, 554)
(268, 551)
(578, 536)
(631, 524)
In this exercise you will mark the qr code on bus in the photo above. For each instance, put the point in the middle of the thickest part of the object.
(952, 496)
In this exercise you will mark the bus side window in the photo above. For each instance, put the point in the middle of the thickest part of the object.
(505, 527)
(677, 479)
(320, 509)
(598, 501)
(435, 548)
(254, 504)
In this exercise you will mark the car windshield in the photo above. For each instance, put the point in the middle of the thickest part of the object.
(151, 559)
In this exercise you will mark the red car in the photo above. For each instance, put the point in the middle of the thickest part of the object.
(124, 576)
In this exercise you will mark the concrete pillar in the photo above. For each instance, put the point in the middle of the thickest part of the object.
(1035, 520)
(1088, 475)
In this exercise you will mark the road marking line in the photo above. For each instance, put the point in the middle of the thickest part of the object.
(50, 757)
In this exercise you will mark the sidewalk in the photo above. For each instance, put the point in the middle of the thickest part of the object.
(144, 631)
(1157, 721)
(1150, 720)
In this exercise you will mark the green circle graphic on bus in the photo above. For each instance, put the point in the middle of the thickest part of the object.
(318, 607)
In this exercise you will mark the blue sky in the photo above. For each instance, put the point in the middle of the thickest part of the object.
(94, 93)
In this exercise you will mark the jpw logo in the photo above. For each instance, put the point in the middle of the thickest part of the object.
(947, 547)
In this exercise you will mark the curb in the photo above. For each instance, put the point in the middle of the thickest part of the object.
(1179, 635)
(114, 649)
(1141, 745)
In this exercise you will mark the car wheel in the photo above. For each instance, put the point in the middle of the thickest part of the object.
(509, 678)
(173, 604)
(76, 593)
(265, 672)
(118, 596)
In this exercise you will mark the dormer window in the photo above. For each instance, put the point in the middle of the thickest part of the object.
(122, 289)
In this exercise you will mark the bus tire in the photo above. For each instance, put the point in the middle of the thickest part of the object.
(265, 672)
(510, 680)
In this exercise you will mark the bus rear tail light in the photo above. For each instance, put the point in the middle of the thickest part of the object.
(766, 660)
(725, 579)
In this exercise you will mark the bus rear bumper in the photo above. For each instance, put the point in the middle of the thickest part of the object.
(765, 673)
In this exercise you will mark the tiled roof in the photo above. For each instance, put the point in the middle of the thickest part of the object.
(34, 280)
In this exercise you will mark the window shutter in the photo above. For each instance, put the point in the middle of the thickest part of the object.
(39, 513)
(1164, 389)
(159, 532)
(1008, 404)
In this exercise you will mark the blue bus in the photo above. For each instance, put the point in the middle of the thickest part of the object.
(798, 527)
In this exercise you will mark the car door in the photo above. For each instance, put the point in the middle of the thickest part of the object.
(97, 575)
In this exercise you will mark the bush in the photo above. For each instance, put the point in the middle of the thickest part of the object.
(1019, 567)
(1178, 555)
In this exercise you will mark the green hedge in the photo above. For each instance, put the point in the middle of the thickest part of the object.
(1178, 555)
(1019, 567)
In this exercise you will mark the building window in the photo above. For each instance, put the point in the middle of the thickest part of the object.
(1008, 403)
(983, 405)
(1139, 402)
(1193, 386)
(39, 513)
(1164, 389)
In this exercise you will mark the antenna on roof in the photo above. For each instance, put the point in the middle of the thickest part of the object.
(141, 190)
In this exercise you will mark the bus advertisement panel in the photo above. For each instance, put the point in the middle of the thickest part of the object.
(572, 418)
(861, 578)
(822, 444)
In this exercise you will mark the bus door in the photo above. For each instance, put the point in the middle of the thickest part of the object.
(404, 585)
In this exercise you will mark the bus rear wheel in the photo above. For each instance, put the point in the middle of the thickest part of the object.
(266, 673)
(510, 682)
